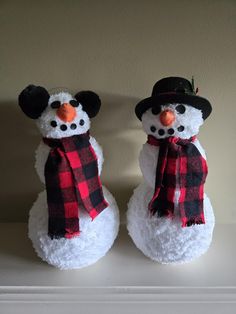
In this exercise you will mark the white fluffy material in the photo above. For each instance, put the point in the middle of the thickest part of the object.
(163, 239)
(95, 240)
(41, 156)
(49, 114)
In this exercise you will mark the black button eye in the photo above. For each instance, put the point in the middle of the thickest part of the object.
(156, 110)
(74, 103)
(55, 104)
(180, 109)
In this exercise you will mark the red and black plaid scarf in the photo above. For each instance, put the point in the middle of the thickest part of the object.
(72, 184)
(180, 167)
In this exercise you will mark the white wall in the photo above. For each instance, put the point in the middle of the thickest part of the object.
(119, 49)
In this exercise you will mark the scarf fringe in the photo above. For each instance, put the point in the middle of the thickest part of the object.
(67, 236)
(168, 214)
(193, 221)
(185, 222)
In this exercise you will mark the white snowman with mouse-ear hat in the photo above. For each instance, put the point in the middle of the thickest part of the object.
(169, 217)
(74, 222)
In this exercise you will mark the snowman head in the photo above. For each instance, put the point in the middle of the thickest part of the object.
(59, 115)
(177, 120)
(174, 109)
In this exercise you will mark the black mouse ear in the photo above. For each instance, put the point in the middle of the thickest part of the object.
(33, 100)
(90, 102)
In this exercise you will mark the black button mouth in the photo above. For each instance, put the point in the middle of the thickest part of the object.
(161, 132)
(180, 128)
(171, 131)
(73, 126)
(63, 127)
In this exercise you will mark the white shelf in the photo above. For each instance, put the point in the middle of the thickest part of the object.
(124, 277)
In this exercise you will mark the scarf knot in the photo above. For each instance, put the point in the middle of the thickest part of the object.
(180, 168)
(72, 184)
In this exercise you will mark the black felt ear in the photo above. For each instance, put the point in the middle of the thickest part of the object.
(33, 100)
(90, 102)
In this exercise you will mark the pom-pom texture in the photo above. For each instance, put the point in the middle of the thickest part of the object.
(162, 239)
(95, 239)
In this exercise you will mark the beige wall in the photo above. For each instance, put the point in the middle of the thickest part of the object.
(119, 49)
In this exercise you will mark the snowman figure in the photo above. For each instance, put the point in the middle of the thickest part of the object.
(169, 217)
(75, 221)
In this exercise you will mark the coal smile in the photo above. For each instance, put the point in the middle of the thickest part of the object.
(170, 131)
(64, 127)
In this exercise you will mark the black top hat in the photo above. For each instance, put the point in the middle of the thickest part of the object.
(173, 90)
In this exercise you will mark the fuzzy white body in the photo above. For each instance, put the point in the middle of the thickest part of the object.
(163, 239)
(96, 236)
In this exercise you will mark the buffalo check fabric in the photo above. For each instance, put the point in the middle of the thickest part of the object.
(180, 167)
(72, 184)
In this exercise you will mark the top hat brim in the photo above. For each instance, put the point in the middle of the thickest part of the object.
(168, 98)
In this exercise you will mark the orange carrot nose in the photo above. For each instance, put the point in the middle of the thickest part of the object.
(167, 117)
(66, 112)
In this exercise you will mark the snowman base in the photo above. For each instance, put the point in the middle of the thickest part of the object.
(94, 241)
(163, 239)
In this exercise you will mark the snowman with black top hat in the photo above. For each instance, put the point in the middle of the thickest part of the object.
(170, 218)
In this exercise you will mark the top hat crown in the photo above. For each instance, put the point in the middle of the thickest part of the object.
(173, 85)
